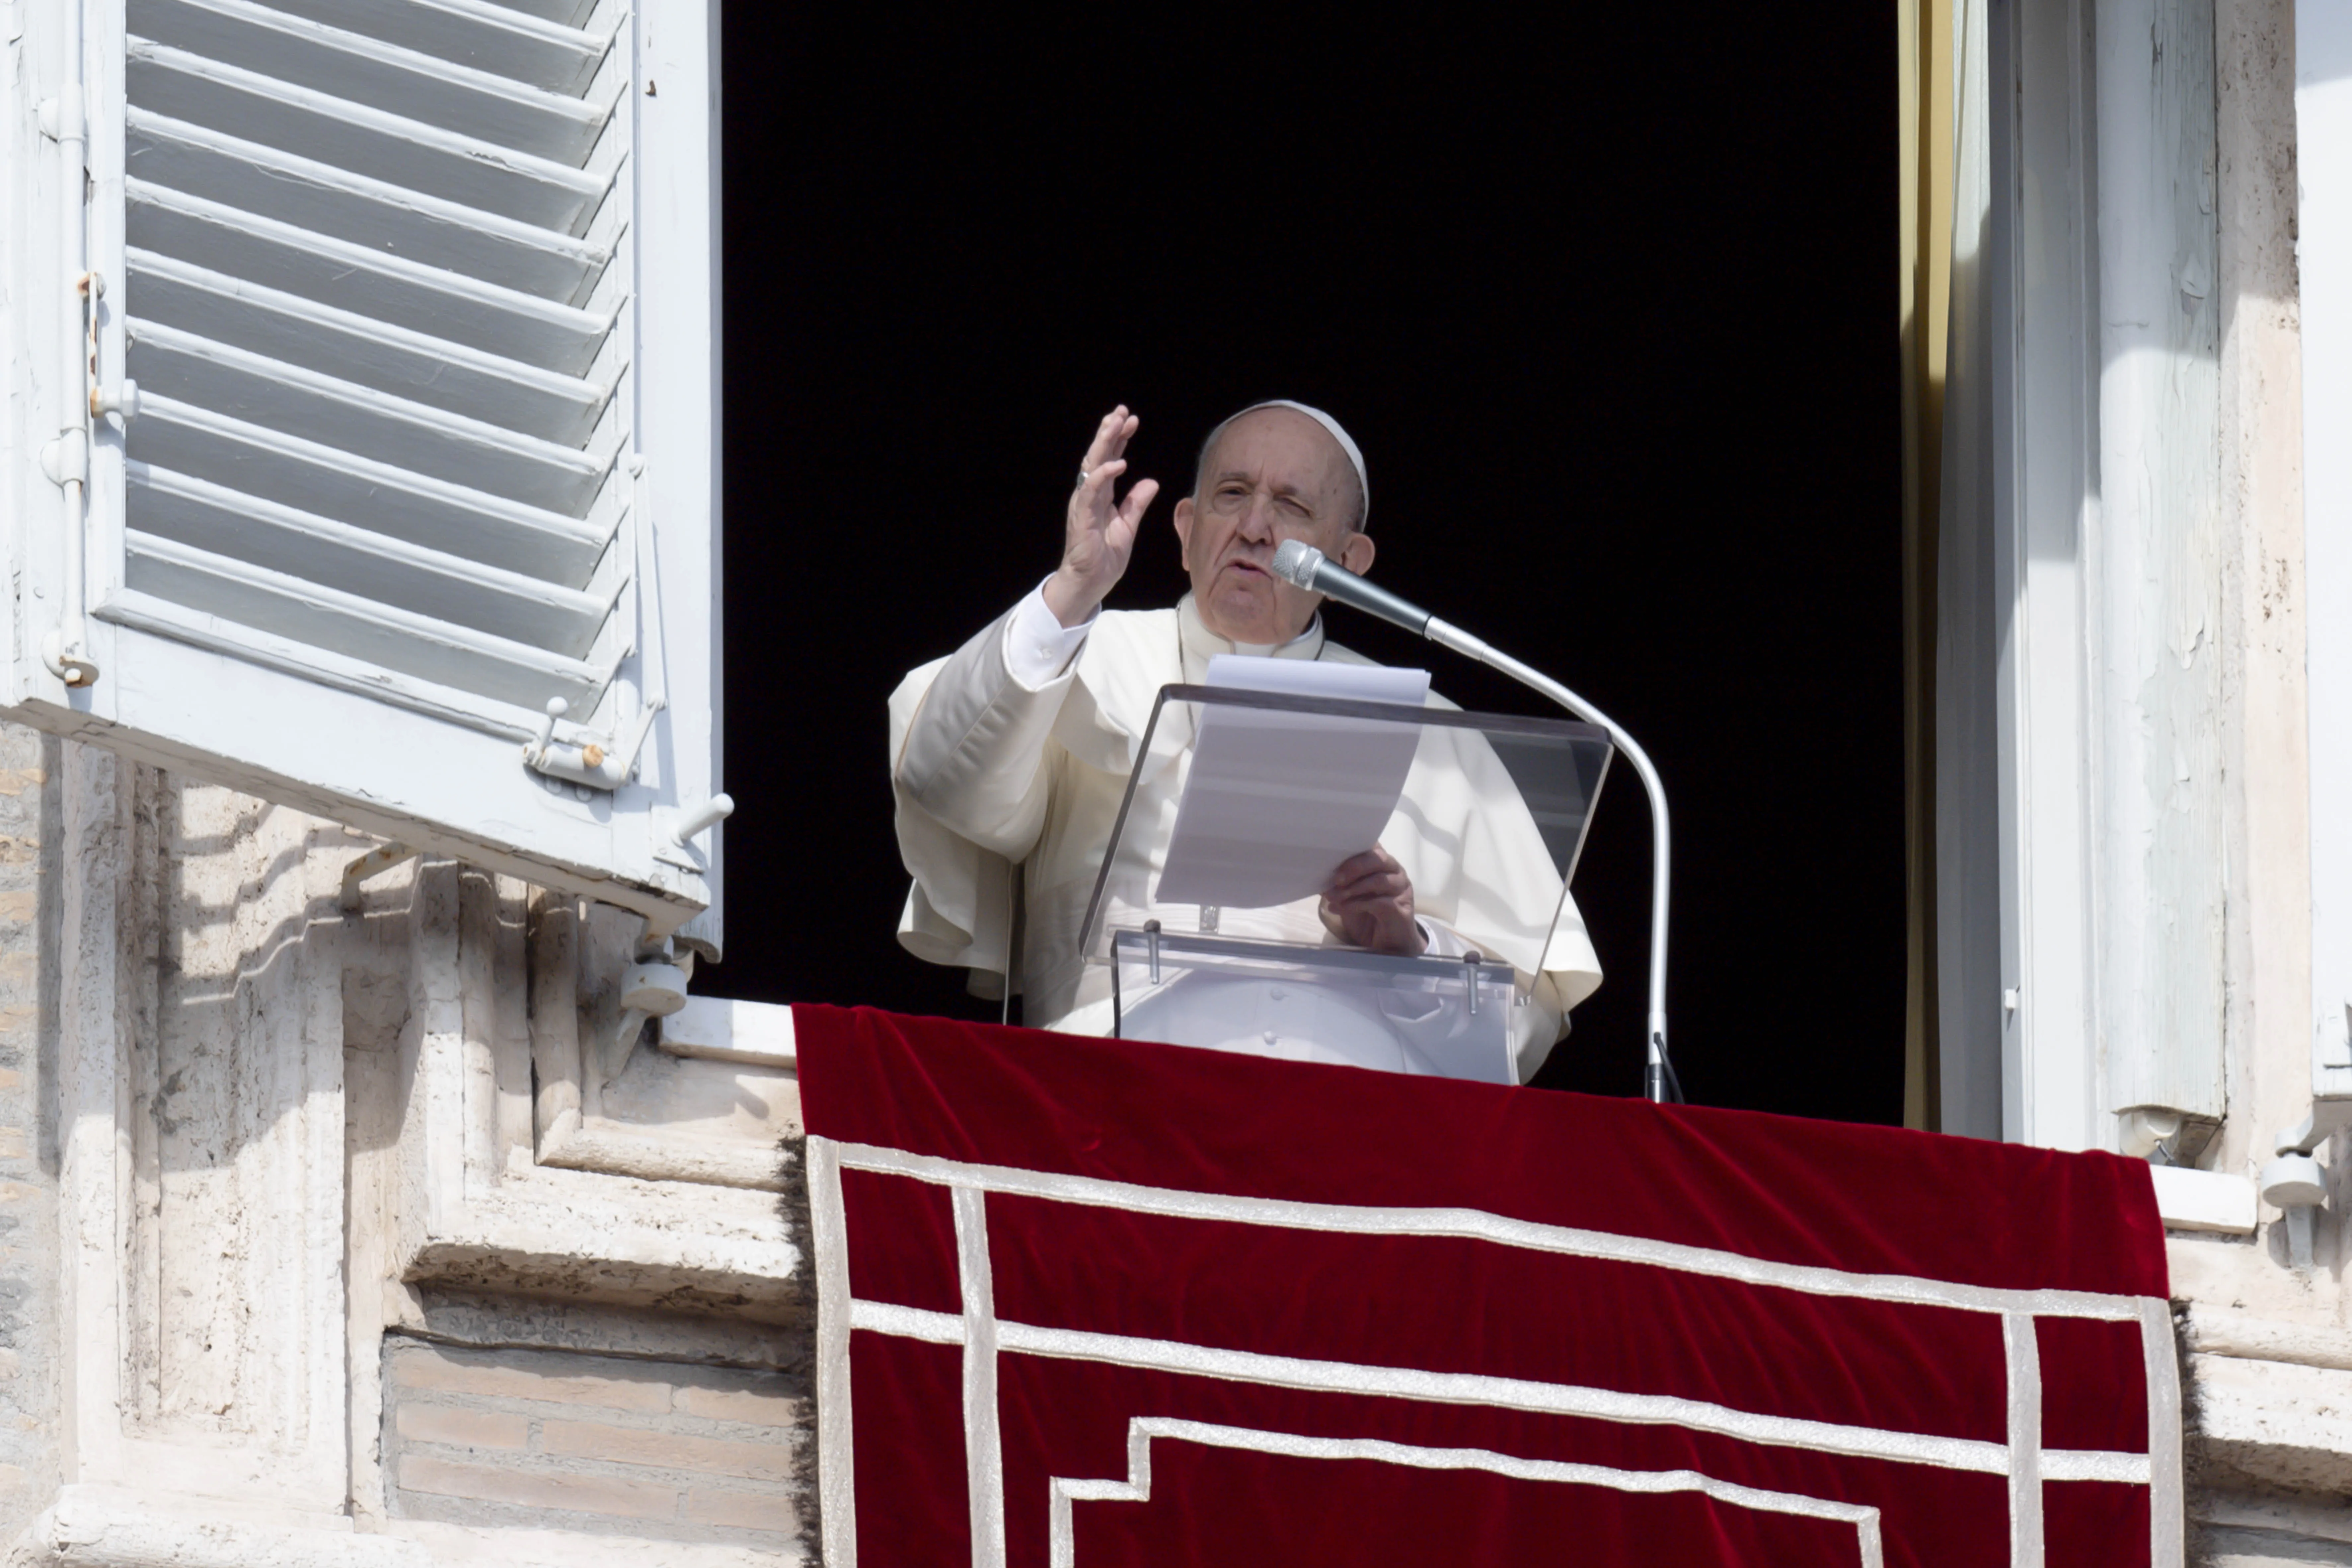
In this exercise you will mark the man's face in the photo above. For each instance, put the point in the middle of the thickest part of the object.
(1273, 474)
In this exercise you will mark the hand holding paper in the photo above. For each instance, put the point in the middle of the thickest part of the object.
(1370, 903)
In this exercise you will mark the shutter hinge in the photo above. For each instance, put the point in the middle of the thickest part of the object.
(65, 458)
(61, 117)
(652, 987)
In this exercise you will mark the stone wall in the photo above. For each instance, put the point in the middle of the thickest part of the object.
(2267, 1347)
(29, 892)
(361, 1235)
(540, 1439)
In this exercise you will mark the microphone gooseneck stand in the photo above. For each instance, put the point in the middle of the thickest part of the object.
(1305, 566)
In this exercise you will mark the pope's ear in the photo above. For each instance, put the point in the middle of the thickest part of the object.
(1185, 532)
(1356, 556)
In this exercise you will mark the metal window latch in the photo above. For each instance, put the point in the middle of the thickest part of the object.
(66, 459)
(122, 397)
(589, 762)
(682, 829)
(675, 831)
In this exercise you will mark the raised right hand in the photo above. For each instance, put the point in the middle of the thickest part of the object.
(1099, 533)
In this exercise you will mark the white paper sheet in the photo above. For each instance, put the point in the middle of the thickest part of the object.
(1275, 802)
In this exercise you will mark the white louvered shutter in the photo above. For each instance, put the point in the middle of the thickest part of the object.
(2322, 103)
(420, 299)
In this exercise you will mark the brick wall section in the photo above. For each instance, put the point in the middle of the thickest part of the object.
(30, 911)
(556, 1439)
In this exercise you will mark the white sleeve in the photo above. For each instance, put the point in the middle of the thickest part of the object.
(968, 736)
(1443, 941)
(1038, 646)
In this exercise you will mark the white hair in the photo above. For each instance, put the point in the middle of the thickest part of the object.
(1347, 444)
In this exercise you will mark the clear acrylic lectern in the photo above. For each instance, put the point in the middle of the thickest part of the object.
(1491, 817)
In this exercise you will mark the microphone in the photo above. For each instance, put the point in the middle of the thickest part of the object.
(1302, 565)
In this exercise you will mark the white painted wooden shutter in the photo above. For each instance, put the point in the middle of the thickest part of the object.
(2323, 101)
(420, 298)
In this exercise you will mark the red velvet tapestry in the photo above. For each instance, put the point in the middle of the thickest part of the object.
(1091, 1303)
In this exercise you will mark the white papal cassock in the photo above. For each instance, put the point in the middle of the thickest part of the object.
(1016, 749)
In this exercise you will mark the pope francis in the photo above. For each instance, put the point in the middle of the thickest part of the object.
(1012, 754)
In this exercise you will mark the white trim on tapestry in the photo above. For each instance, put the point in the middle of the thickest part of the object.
(1499, 1394)
(837, 1485)
(2026, 1463)
(1142, 1430)
(984, 1338)
(983, 1444)
(2167, 1503)
(1477, 1224)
